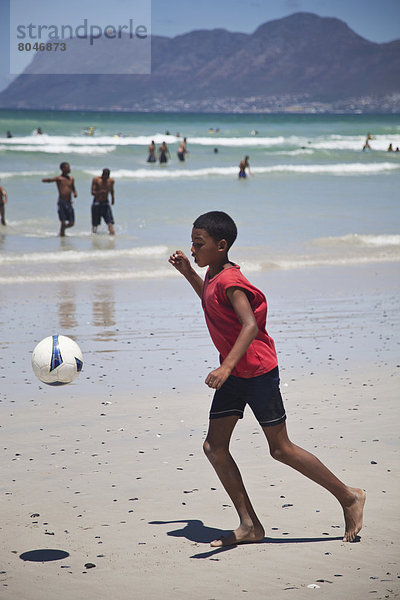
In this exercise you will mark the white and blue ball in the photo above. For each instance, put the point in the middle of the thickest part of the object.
(57, 360)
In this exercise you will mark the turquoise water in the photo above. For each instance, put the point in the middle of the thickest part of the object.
(314, 198)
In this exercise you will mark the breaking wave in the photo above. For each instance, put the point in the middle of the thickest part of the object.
(74, 256)
(361, 240)
(334, 169)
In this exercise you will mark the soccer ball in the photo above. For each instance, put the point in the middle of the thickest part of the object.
(57, 360)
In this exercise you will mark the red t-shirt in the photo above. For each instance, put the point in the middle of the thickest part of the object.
(224, 326)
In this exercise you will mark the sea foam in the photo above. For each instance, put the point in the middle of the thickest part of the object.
(327, 142)
(74, 256)
(361, 240)
(60, 149)
(154, 172)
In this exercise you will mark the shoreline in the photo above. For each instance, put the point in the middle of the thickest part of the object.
(251, 113)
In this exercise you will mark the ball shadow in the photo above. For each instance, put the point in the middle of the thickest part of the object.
(43, 555)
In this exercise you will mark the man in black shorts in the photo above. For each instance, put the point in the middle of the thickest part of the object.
(101, 187)
(66, 187)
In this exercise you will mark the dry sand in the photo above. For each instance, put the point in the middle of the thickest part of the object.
(111, 471)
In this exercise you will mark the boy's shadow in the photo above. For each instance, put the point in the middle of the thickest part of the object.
(195, 531)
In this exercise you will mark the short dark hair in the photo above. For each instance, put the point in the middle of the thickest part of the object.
(218, 225)
(62, 165)
(105, 174)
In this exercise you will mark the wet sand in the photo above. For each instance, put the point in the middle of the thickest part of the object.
(110, 469)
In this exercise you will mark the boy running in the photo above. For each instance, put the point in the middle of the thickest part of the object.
(235, 313)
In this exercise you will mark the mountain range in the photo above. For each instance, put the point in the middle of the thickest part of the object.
(292, 63)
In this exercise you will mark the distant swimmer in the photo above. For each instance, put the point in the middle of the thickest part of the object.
(254, 132)
(101, 188)
(366, 145)
(9, 134)
(163, 151)
(397, 149)
(243, 165)
(152, 153)
(390, 148)
(89, 130)
(66, 187)
(215, 150)
(3, 202)
(182, 150)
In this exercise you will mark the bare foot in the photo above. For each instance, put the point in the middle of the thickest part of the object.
(353, 515)
(242, 535)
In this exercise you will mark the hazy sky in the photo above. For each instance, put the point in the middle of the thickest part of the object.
(376, 20)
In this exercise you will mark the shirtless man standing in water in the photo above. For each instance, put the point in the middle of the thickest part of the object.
(152, 153)
(182, 150)
(66, 187)
(243, 165)
(101, 187)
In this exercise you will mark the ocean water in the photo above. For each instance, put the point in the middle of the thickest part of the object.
(315, 199)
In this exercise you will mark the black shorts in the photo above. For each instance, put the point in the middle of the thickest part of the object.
(101, 209)
(261, 393)
(66, 211)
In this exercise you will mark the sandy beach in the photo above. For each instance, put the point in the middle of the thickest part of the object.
(110, 469)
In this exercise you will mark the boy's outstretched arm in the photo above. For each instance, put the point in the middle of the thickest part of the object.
(241, 305)
(182, 264)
